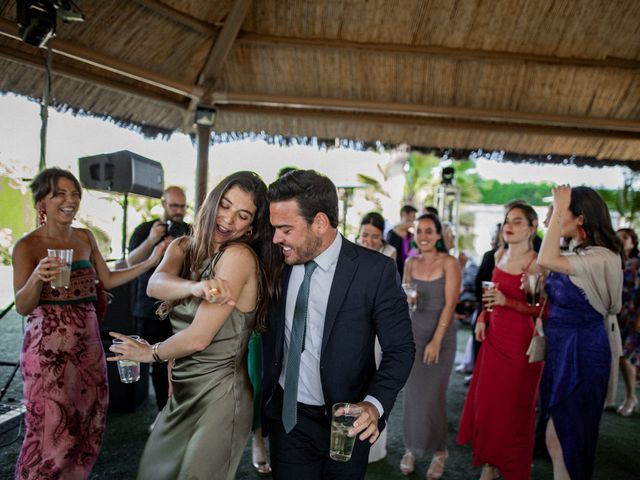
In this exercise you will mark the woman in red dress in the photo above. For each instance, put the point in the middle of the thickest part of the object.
(499, 412)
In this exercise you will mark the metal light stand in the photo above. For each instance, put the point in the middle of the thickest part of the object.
(448, 205)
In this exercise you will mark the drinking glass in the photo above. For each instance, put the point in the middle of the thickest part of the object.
(64, 277)
(412, 295)
(342, 418)
(129, 370)
(532, 283)
(486, 285)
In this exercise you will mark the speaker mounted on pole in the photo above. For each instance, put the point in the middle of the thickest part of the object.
(122, 172)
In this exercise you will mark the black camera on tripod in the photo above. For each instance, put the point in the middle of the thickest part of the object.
(176, 229)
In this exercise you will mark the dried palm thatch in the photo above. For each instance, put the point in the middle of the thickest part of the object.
(545, 77)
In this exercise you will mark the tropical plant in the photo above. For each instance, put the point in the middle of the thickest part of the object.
(626, 201)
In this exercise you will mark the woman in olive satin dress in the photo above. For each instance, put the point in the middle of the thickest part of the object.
(203, 429)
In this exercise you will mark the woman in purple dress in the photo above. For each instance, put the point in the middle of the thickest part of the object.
(584, 288)
(62, 360)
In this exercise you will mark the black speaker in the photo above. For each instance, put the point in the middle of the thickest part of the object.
(122, 172)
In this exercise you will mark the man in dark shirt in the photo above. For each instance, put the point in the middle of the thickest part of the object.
(400, 237)
(146, 236)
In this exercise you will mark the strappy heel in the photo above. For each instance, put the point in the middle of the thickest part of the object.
(627, 408)
(408, 463)
(489, 472)
(436, 467)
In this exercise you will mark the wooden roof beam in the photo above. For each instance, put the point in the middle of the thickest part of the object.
(430, 50)
(412, 121)
(393, 109)
(218, 55)
(180, 17)
(108, 63)
(23, 58)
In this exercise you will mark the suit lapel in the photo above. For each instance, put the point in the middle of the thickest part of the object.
(345, 270)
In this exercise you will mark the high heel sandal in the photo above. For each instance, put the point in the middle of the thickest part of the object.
(408, 463)
(489, 473)
(259, 459)
(627, 408)
(436, 467)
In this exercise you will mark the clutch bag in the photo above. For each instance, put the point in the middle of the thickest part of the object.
(538, 346)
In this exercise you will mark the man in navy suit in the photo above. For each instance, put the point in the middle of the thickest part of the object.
(352, 294)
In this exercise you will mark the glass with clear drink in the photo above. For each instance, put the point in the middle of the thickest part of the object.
(486, 285)
(342, 418)
(412, 295)
(129, 370)
(64, 277)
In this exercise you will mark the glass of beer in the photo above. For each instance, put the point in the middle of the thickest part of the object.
(129, 370)
(342, 418)
(488, 286)
(412, 295)
(532, 283)
(64, 277)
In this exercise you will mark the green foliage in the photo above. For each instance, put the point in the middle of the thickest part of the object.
(144, 205)
(17, 212)
(373, 190)
(420, 176)
(498, 193)
(625, 201)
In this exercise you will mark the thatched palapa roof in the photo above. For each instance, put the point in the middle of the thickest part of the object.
(527, 77)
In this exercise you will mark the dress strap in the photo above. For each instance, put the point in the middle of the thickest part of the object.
(535, 255)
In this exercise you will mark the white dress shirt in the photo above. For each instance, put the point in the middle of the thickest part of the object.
(309, 383)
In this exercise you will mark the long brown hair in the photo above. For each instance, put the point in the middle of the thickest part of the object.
(199, 247)
(596, 221)
(529, 213)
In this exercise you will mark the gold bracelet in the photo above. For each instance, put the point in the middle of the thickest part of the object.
(155, 353)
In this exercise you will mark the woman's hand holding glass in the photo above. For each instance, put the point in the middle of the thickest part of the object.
(48, 269)
(491, 296)
(412, 295)
(137, 350)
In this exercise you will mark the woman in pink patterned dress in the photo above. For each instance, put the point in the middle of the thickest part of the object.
(62, 360)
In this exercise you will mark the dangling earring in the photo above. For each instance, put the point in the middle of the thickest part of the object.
(249, 232)
(439, 244)
(42, 216)
(582, 232)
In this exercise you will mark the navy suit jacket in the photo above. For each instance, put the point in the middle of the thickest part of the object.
(366, 299)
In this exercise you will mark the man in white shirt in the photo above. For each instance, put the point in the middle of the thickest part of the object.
(319, 349)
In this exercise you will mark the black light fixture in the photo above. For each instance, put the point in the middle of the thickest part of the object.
(447, 175)
(37, 18)
(36, 21)
(205, 116)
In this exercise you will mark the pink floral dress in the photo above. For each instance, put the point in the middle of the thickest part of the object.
(65, 382)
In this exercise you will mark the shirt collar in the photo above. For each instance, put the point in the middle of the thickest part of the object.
(330, 256)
